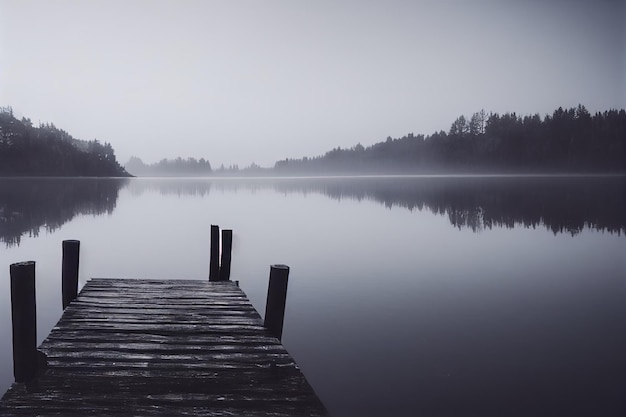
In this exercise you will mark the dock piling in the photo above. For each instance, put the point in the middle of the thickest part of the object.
(276, 299)
(227, 247)
(24, 321)
(214, 267)
(69, 271)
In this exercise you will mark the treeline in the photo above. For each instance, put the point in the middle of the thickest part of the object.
(569, 140)
(45, 150)
(169, 167)
(234, 171)
(190, 167)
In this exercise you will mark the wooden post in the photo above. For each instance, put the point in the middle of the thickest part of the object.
(69, 271)
(24, 320)
(227, 247)
(214, 267)
(276, 299)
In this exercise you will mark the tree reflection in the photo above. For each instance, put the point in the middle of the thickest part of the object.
(561, 204)
(27, 205)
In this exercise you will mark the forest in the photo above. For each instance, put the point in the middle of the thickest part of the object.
(568, 141)
(45, 150)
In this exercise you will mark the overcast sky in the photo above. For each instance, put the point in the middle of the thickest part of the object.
(256, 81)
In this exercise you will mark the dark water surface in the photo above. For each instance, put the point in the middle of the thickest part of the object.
(433, 296)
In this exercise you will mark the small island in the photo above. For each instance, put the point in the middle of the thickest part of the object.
(47, 151)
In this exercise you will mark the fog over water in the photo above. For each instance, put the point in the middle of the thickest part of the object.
(435, 295)
(422, 295)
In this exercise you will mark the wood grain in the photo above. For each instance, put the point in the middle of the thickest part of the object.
(130, 347)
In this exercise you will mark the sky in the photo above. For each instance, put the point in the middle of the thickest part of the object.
(238, 82)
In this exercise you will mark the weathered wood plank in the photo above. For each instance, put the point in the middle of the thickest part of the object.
(163, 320)
(101, 365)
(152, 347)
(165, 328)
(159, 347)
(171, 339)
(181, 303)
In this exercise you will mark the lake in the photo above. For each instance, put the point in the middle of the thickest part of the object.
(433, 296)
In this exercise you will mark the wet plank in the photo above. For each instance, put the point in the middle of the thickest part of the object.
(129, 347)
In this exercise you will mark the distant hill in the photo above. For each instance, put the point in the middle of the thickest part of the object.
(190, 167)
(179, 167)
(46, 150)
(568, 141)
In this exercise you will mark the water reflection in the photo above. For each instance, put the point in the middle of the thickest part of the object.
(561, 204)
(29, 204)
(398, 313)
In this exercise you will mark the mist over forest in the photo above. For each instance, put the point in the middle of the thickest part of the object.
(46, 150)
(567, 141)
(443, 183)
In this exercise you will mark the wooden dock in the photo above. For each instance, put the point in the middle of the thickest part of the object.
(173, 348)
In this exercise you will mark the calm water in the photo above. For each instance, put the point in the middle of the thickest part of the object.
(407, 296)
